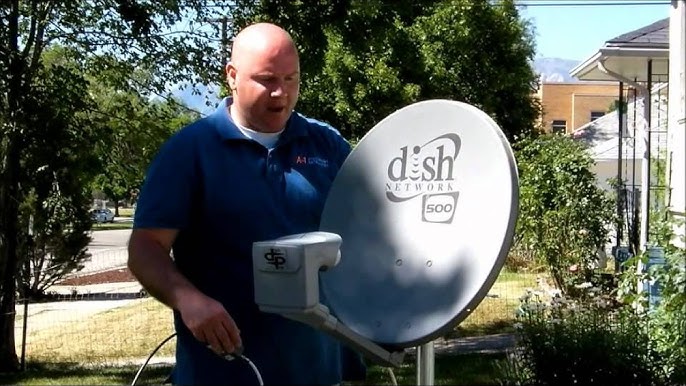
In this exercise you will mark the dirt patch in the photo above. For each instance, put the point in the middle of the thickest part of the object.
(118, 275)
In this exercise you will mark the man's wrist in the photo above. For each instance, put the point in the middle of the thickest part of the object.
(184, 294)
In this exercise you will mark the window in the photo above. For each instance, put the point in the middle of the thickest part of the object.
(559, 126)
(596, 114)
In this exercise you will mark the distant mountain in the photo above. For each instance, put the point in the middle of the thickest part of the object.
(555, 69)
(203, 99)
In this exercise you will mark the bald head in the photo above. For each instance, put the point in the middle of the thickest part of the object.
(263, 39)
(264, 77)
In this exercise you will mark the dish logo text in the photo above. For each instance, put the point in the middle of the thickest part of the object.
(427, 171)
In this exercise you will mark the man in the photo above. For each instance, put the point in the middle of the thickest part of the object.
(254, 170)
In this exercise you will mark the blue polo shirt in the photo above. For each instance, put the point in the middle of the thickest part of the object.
(223, 191)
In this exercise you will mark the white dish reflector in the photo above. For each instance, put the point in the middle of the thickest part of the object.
(426, 205)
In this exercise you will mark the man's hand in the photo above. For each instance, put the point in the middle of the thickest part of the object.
(206, 318)
(210, 323)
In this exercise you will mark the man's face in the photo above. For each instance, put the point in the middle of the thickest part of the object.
(265, 83)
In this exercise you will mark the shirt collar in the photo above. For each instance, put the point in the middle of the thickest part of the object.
(229, 131)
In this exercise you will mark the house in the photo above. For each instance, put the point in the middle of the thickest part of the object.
(567, 106)
(601, 136)
(648, 64)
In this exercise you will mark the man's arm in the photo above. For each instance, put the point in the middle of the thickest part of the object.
(205, 317)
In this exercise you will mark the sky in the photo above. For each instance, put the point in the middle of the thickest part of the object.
(576, 32)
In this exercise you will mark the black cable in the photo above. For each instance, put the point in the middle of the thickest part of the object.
(228, 357)
(140, 370)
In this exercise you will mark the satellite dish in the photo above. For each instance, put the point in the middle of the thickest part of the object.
(426, 205)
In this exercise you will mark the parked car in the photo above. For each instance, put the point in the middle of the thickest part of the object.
(102, 215)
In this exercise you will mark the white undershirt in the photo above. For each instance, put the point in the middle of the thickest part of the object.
(267, 140)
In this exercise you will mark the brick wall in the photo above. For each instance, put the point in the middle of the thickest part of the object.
(574, 102)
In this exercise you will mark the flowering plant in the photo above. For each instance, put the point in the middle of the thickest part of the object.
(590, 340)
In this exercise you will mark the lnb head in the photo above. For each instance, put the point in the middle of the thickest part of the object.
(286, 270)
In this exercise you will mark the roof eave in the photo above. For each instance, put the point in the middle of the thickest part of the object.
(638, 52)
(585, 66)
(609, 51)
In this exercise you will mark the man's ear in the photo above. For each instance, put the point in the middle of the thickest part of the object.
(231, 76)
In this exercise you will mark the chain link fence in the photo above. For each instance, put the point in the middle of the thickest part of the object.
(99, 315)
(102, 316)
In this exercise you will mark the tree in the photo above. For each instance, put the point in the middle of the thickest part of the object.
(362, 60)
(134, 128)
(56, 206)
(481, 53)
(168, 38)
(54, 162)
(564, 216)
(54, 218)
(354, 55)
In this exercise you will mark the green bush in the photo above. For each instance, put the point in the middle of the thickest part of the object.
(564, 216)
(667, 316)
(588, 341)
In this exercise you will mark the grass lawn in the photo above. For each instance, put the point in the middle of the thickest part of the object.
(112, 226)
(134, 330)
(125, 212)
(449, 370)
(471, 369)
(126, 333)
(39, 373)
(495, 314)
(96, 350)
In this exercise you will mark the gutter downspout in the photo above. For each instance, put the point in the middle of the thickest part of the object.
(645, 158)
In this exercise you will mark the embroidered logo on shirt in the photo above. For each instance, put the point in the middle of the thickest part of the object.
(318, 161)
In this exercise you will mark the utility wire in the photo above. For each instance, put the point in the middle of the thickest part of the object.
(624, 3)
(555, 3)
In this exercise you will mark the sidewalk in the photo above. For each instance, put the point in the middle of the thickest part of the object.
(131, 287)
(487, 344)
(51, 314)
(484, 344)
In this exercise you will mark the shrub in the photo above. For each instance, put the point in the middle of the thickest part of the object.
(592, 340)
(667, 315)
(57, 246)
(564, 216)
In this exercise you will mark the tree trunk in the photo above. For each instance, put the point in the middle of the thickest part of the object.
(9, 209)
(8, 356)
(9, 195)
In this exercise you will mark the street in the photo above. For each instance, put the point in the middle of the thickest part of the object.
(112, 239)
(108, 249)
